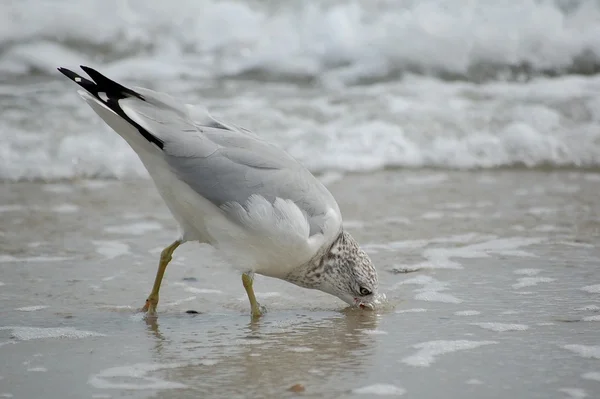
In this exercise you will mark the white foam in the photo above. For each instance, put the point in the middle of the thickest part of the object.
(435, 296)
(115, 377)
(396, 245)
(195, 290)
(587, 351)
(57, 188)
(592, 318)
(453, 205)
(441, 258)
(380, 390)
(396, 145)
(137, 316)
(417, 244)
(32, 308)
(96, 184)
(334, 44)
(467, 313)
(466, 215)
(38, 369)
(548, 228)
(374, 332)
(592, 375)
(589, 307)
(380, 300)
(111, 249)
(29, 333)
(300, 349)
(474, 381)
(428, 351)
(247, 341)
(576, 244)
(118, 307)
(6, 395)
(266, 295)
(502, 327)
(432, 215)
(110, 278)
(431, 290)
(405, 268)
(180, 301)
(414, 310)
(349, 37)
(541, 211)
(65, 208)
(592, 289)
(575, 393)
(528, 272)
(531, 282)
(139, 228)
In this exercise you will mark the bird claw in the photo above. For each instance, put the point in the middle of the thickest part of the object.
(258, 311)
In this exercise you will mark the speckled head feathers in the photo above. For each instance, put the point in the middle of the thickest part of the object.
(345, 271)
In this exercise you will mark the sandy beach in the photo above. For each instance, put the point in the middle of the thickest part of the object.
(492, 282)
(461, 143)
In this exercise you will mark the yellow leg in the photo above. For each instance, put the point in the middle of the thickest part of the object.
(247, 280)
(165, 258)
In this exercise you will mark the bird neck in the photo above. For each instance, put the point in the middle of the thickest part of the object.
(310, 274)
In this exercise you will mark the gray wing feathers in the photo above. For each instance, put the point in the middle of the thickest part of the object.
(233, 175)
(226, 164)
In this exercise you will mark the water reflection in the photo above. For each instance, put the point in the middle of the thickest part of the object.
(228, 356)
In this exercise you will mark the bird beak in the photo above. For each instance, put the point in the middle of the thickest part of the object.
(369, 306)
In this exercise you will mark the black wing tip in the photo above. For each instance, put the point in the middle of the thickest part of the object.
(109, 85)
(68, 73)
(89, 70)
(103, 84)
(81, 81)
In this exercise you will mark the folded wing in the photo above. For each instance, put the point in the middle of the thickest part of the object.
(229, 166)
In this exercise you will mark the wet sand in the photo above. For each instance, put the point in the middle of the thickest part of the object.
(492, 280)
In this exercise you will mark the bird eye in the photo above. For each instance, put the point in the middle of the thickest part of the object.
(364, 291)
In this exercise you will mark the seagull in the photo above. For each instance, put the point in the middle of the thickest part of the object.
(262, 210)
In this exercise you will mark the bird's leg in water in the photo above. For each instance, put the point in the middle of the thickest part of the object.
(165, 258)
(248, 280)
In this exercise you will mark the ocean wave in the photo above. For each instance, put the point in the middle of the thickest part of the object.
(324, 41)
(490, 110)
(419, 122)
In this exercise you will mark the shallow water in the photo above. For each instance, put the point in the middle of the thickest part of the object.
(492, 276)
(492, 280)
(346, 86)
